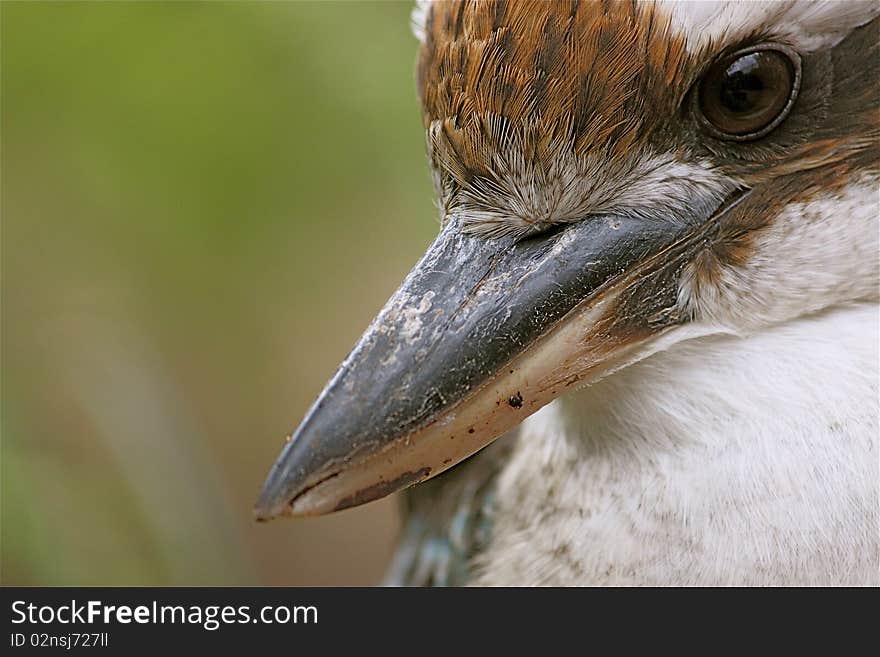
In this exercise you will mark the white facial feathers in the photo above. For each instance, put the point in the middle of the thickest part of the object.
(808, 25)
(815, 254)
(419, 17)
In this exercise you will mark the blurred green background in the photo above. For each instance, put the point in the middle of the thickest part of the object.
(203, 205)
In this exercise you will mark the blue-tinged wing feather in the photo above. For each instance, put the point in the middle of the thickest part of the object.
(449, 521)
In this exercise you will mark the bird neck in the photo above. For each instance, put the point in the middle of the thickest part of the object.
(720, 460)
(801, 377)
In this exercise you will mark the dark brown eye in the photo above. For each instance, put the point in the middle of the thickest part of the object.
(747, 94)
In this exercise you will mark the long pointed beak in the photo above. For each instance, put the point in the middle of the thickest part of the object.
(481, 334)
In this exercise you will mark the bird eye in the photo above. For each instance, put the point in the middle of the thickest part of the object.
(747, 94)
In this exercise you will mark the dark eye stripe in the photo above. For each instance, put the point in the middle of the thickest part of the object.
(746, 95)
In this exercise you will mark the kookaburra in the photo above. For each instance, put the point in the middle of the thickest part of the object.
(659, 243)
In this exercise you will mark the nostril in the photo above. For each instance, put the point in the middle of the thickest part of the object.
(543, 234)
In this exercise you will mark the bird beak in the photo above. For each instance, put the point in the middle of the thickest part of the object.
(482, 333)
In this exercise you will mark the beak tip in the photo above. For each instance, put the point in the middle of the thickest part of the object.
(264, 510)
(271, 503)
(274, 499)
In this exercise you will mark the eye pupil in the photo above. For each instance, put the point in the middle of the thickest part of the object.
(748, 94)
(742, 87)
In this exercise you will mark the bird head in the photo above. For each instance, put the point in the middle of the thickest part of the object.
(612, 178)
